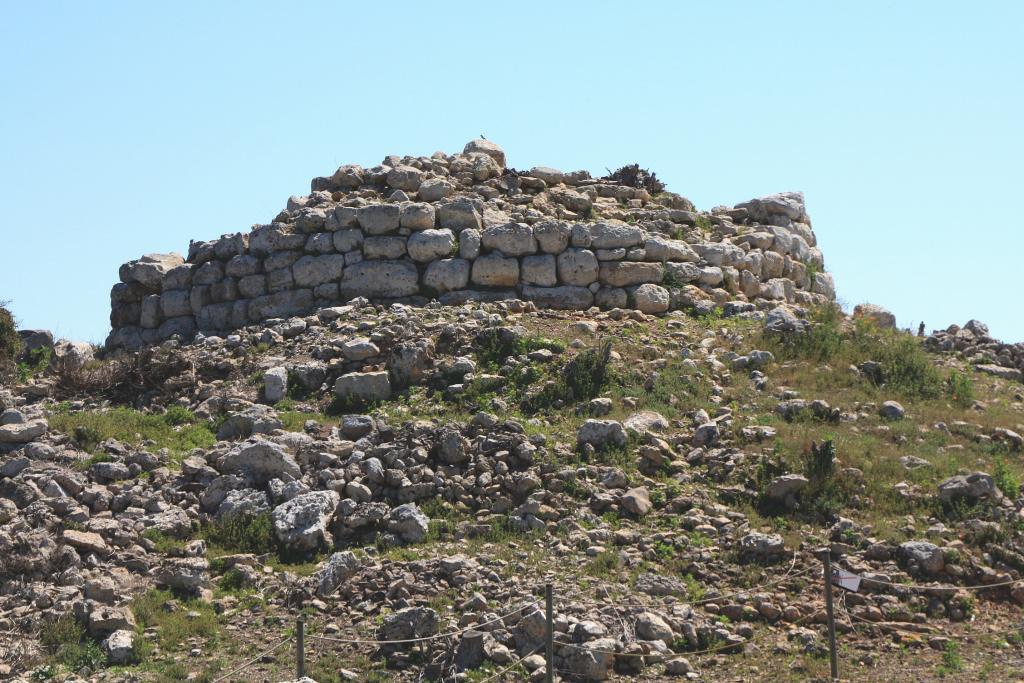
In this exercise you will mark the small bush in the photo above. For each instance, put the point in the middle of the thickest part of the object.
(1006, 480)
(10, 342)
(634, 176)
(243, 534)
(823, 341)
(581, 379)
(960, 389)
(68, 643)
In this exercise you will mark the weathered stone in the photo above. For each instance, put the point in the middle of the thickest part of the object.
(511, 239)
(379, 219)
(364, 386)
(613, 234)
(261, 461)
(446, 275)
(493, 270)
(379, 279)
(577, 267)
(310, 271)
(539, 270)
(431, 245)
(651, 299)
(563, 298)
(302, 523)
(601, 434)
(626, 273)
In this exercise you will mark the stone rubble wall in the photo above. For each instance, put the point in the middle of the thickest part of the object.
(465, 228)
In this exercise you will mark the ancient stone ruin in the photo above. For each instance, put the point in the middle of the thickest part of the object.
(466, 227)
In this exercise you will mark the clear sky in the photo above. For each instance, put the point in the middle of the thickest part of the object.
(129, 128)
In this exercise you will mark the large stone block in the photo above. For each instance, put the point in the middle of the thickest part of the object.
(430, 245)
(495, 270)
(511, 239)
(577, 267)
(379, 279)
(614, 234)
(379, 219)
(553, 237)
(446, 275)
(386, 247)
(310, 271)
(626, 273)
(417, 216)
(280, 304)
(565, 297)
(539, 270)
(364, 386)
(458, 215)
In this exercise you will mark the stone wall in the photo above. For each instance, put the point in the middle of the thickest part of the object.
(464, 227)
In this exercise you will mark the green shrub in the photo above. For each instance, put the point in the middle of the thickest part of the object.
(10, 342)
(243, 534)
(907, 368)
(960, 389)
(36, 362)
(822, 342)
(584, 377)
(69, 644)
(1006, 480)
(634, 176)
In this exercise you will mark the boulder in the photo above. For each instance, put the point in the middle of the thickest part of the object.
(120, 647)
(260, 461)
(601, 434)
(379, 219)
(614, 234)
(310, 271)
(650, 626)
(458, 215)
(275, 384)
(364, 386)
(408, 522)
(301, 524)
(577, 267)
(922, 557)
(409, 623)
(626, 273)
(637, 501)
(891, 410)
(782, 490)
(882, 318)
(487, 147)
(969, 487)
(340, 567)
(24, 432)
(651, 298)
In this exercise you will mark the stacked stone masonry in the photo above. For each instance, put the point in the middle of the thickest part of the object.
(464, 227)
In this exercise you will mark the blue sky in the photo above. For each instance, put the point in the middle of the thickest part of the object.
(130, 128)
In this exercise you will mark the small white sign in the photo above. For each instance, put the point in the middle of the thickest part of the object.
(846, 580)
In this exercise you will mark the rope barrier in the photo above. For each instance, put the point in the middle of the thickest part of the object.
(253, 660)
(924, 587)
(511, 666)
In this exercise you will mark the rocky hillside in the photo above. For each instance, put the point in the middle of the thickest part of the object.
(407, 476)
